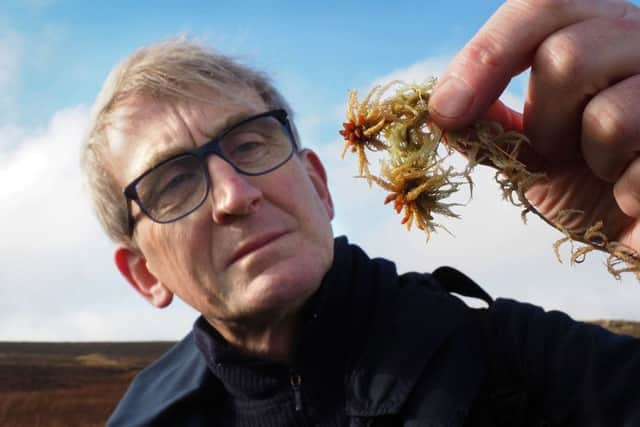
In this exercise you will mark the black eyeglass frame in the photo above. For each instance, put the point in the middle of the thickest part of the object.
(201, 153)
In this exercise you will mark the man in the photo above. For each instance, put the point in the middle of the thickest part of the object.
(198, 177)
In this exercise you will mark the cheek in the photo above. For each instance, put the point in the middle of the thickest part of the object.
(166, 248)
(312, 209)
(190, 251)
(315, 226)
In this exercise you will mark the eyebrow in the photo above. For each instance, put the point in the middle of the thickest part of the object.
(160, 156)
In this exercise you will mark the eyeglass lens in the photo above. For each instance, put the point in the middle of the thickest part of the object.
(177, 187)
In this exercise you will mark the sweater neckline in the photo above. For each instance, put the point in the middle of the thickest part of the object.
(248, 377)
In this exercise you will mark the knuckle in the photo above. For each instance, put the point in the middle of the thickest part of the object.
(605, 121)
(487, 51)
(555, 6)
(628, 23)
(560, 59)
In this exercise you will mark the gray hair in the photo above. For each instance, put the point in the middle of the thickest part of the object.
(173, 70)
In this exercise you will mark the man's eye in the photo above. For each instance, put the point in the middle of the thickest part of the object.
(249, 150)
(248, 147)
(178, 182)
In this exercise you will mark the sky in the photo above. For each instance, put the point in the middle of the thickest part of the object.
(57, 278)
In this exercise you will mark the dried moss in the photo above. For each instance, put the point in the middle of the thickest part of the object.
(395, 118)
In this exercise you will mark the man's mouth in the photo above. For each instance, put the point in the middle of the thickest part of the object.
(254, 244)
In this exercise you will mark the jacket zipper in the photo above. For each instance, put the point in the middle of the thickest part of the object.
(296, 382)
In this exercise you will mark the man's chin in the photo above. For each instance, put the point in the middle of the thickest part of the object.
(284, 288)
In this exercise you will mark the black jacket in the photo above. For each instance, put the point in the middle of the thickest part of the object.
(386, 350)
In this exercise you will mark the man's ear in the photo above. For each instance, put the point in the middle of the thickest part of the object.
(133, 266)
(318, 176)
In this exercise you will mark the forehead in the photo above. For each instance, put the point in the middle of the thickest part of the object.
(145, 130)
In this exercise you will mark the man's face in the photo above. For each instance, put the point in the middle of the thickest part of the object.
(259, 245)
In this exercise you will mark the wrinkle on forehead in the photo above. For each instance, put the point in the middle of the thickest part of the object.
(138, 128)
(145, 130)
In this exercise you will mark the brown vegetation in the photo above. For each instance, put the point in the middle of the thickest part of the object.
(67, 384)
(621, 327)
(79, 384)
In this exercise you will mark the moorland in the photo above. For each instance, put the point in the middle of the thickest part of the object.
(79, 384)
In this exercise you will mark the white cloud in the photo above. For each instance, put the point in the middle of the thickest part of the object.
(42, 189)
(57, 279)
(418, 72)
(9, 134)
(130, 320)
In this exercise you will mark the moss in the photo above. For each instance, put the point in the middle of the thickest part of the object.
(395, 118)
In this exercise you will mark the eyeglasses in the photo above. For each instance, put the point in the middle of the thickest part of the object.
(180, 184)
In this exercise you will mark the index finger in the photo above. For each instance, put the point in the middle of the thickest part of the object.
(503, 48)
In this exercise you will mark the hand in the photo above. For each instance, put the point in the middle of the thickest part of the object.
(582, 112)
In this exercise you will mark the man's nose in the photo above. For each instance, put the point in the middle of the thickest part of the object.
(232, 194)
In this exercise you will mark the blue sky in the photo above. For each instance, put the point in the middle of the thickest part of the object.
(68, 46)
(57, 280)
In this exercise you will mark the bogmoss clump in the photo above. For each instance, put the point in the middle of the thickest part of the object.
(395, 118)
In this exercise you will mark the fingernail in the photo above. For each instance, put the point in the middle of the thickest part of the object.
(452, 98)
